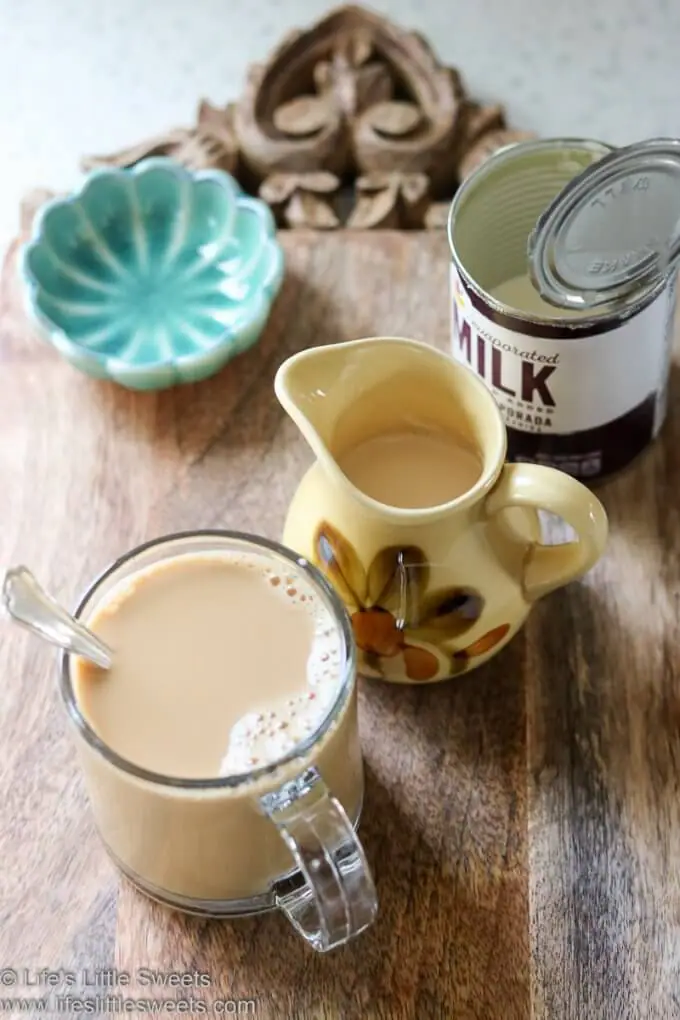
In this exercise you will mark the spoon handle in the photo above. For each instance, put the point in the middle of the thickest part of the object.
(29, 605)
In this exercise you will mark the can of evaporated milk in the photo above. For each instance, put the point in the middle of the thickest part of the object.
(563, 292)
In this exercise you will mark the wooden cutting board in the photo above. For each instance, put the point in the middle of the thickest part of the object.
(523, 822)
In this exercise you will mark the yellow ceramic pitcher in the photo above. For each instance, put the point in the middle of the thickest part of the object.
(431, 592)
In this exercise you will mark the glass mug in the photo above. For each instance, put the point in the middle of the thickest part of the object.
(238, 845)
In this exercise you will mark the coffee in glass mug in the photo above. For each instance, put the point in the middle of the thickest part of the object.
(221, 751)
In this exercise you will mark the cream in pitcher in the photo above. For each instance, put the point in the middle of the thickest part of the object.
(432, 541)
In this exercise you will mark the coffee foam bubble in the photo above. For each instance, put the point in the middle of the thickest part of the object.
(263, 737)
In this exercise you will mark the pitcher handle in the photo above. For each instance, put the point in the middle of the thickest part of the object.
(338, 899)
(544, 488)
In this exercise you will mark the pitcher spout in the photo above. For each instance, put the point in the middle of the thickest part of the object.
(343, 394)
(323, 387)
(315, 389)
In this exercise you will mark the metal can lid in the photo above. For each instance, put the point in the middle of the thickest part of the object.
(613, 231)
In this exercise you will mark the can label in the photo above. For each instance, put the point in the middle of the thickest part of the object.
(585, 400)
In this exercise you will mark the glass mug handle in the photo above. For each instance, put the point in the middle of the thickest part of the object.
(544, 488)
(338, 899)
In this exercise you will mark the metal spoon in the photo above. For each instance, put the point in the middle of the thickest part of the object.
(33, 608)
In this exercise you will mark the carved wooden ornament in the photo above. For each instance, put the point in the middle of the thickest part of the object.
(354, 113)
(354, 93)
(211, 143)
(302, 200)
(394, 200)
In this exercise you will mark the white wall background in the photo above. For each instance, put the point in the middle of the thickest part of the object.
(84, 76)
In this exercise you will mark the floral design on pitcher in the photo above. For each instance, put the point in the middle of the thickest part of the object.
(396, 620)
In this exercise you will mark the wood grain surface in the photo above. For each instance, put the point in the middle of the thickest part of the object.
(523, 822)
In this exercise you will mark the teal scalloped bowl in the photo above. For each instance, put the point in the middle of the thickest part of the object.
(154, 275)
